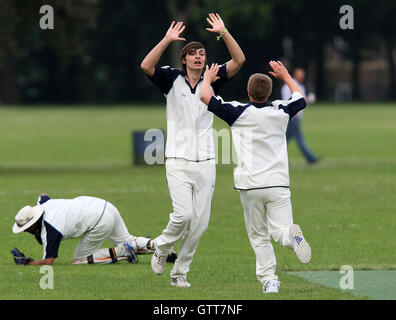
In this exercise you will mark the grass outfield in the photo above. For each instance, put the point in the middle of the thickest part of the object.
(345, 204)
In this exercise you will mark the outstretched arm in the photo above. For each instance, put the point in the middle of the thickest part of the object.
(173, 34)
(237, 56)
(297, 101)
(210, 76)
(228, 111)
(280, 72)
(47, 261)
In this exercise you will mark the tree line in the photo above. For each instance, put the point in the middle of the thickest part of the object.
(93, 54)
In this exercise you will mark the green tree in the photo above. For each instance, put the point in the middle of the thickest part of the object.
(384, 20)
(30, 54)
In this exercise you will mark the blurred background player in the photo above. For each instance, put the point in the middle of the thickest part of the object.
(294, 129)
(262, 173)
(92, 219)
(190, 154)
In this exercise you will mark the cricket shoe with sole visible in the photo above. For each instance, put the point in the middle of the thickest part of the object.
(301, 246)
(131, 248)
(158, 263)
(271, 286)
(180, 282)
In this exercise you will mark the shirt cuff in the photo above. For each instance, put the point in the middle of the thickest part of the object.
(213, 103)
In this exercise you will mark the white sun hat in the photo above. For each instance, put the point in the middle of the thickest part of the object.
(26, 217)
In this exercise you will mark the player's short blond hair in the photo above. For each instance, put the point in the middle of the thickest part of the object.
(259, 87)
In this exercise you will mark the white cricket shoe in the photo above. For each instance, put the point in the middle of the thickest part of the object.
(180, 282)
(158, 263)
(301, 246)
(271, 286)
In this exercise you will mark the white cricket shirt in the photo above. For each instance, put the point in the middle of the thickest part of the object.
(259, 139)
(189, 124)
(68, 218)
(286, 94)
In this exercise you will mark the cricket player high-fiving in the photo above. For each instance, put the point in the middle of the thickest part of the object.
(190, 154)
(262, 172)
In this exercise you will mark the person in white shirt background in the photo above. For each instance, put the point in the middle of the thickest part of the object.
(189, 152)
(262, 174)
(294, 129)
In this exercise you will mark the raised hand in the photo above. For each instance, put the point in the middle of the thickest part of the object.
(211, 73)
(279, 70)
(174, 31)
(215, 21)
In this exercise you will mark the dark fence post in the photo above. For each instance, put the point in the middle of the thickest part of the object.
(148, 147)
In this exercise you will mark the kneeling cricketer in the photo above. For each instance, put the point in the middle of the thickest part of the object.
(92, 219)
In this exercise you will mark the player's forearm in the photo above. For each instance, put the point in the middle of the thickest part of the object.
(237, 55)
(234, 49)
(293, 86)
(206, 91)
(47, 261)
(150, 61)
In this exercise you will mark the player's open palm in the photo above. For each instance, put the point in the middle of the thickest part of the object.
(175, 30)
(211, 73)
(279, 70)
(216, 22)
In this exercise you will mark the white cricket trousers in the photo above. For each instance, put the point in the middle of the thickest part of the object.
(191, 186)
(268, 213)
(111, 227)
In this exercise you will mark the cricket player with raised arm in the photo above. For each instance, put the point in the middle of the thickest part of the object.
(190, 153)
(89, 218)
(262, 173)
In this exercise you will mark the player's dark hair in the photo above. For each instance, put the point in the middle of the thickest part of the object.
(189, 48)
(259, 87)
